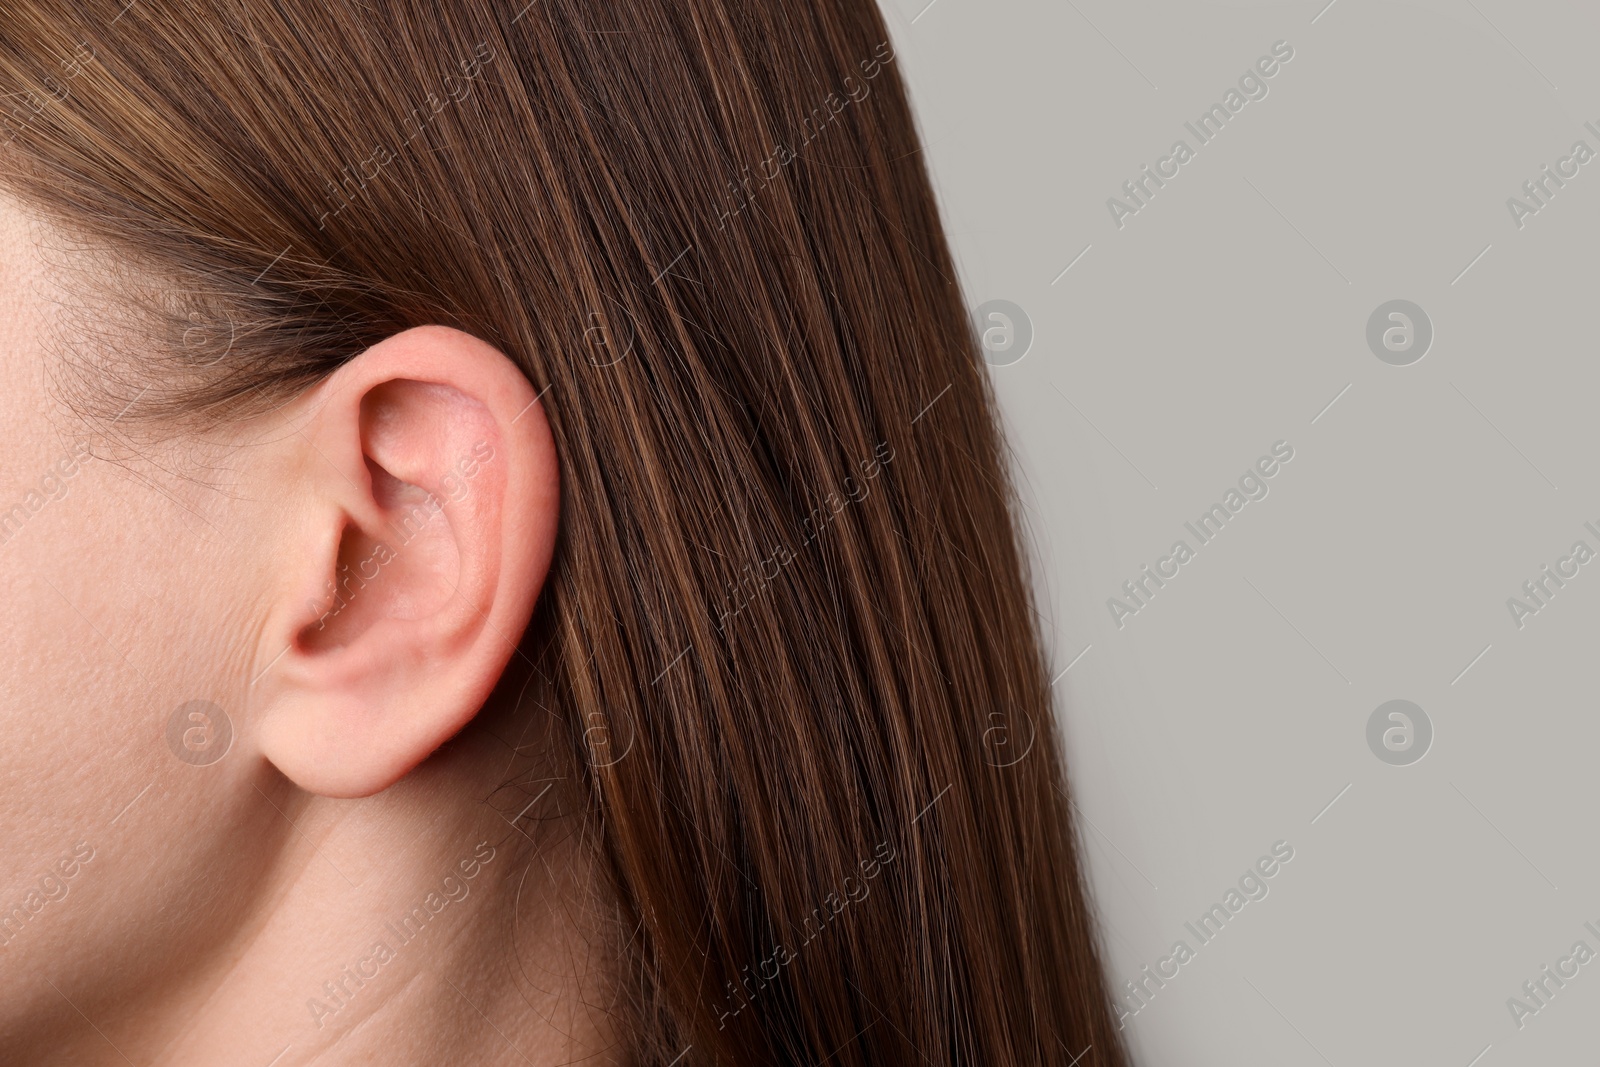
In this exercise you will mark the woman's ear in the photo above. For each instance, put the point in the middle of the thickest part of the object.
(420, 491)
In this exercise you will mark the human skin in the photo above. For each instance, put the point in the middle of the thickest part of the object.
(220, 893)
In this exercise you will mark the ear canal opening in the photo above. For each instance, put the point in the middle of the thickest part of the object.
(403, 572)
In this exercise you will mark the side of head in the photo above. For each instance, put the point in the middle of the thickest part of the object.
(475, 396)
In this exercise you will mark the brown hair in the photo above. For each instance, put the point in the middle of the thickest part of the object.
(788, 627)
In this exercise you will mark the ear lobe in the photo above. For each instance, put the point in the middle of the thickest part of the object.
(429, 497)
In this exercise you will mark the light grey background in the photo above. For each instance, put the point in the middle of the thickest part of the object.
(1223, 317)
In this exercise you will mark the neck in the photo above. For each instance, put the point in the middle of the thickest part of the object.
(421, 926)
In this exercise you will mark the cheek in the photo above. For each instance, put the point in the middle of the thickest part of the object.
(122, 602)
(118, 602)
(78, 680)
(61, 685)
